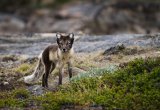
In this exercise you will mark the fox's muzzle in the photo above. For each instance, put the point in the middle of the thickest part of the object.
(64, 50)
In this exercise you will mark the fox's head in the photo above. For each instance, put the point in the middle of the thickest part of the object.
(65, 41)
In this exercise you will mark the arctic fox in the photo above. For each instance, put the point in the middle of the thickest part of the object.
(52, 56)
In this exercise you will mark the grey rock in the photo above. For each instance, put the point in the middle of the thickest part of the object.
(115, 49)
(81, 11)
(41, 24)
(11, 23)
(36, 89)
(32, 46)
(71, 25)
(5, 83)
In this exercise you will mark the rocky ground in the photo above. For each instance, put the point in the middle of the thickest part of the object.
(18, 54)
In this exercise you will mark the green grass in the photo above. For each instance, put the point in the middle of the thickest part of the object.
(136, 86)
(17, 98)
(22, 68)
(25, 68)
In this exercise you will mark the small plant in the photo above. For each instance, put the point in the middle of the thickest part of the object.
(96, 72)
(23, 68)
(15, 98)
(21, 93)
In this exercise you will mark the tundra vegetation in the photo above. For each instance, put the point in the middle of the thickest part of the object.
(120, 77)
(135, 85)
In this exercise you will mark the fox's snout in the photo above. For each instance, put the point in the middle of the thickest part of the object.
(64, 50)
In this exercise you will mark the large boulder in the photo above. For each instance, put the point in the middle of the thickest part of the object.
(11, 23)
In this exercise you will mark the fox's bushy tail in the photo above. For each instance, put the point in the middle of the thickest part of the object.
(37, 74)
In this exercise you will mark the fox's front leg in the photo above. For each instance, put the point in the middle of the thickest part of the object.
(70, 69)
(60, 73)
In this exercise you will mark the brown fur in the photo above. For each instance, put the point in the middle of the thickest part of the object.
(54, 56)
(57, 54)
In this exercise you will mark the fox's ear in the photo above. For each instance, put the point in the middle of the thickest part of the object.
(71, 35)
(58, 35)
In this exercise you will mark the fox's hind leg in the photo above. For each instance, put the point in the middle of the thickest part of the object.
(47, 69)
(53, 65)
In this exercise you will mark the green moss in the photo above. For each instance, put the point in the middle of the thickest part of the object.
(12, 103)
(23, 68)
(136, 86)
(15, 98)
(20, 93)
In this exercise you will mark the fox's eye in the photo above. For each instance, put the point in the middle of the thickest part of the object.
(60, 43)
(69, 43)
